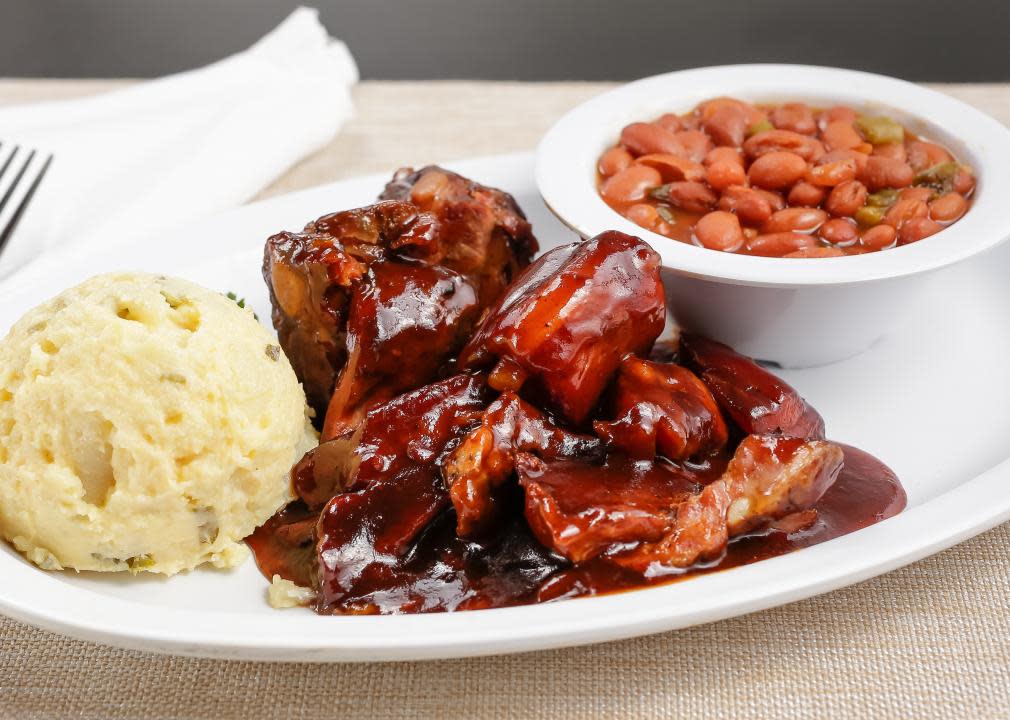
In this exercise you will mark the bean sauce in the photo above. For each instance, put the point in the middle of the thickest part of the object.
(784, 180)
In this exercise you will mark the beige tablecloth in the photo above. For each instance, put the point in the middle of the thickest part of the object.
(931, 640)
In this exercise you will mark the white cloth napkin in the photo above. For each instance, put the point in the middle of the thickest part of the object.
(133, 161)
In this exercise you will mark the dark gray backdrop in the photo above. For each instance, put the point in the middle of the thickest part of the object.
(938, 40)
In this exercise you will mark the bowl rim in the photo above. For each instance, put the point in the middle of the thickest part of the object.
(568, 187)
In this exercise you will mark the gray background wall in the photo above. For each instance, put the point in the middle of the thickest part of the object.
(519, 39)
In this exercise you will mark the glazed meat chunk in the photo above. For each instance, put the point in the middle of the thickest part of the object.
(411, 429)
(485, 235)
(363, 536)
(757, 401)
(377, 299)
(653, 520)
(662, 408)
(404, 321)
(385, 540)
(434, 572)
(312, 275)
(581, 509)
(564, 326)
(396, 438)
(485, 459)
(769, 478)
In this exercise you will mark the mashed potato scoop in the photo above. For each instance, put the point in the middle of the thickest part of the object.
(146, 424)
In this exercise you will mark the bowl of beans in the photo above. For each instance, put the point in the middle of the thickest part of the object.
(798, 210)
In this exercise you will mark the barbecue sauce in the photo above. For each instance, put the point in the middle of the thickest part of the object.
(445, 573)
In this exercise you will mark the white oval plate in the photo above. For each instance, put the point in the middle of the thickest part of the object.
(930, 401)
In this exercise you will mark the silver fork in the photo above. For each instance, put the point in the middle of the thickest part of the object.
(23, 181)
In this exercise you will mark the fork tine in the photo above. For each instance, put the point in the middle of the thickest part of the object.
(17, 180)
(10, 159)
(15, 218)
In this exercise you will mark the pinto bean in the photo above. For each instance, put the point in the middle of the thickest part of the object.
(776, 200)
(845, 199)
(630, 184)
(916, 229)
(922, 155)
(695, 143)
(841, 135)
(839, 231)
(690, 122)
(922, 194)
(964, 181)
(754, 113)
(771, 141)
(895, 151)
(723, 154)
(673, 167)
(644, 215)
(613, 161)
(726, 126)
(816, 252)
(834, 173)
(796, 117)
(708, 108)
(671, 122)
(777, 170)
(800, 219)
(834, 156)
(721, 175)
(647, 138)
(806, 194)
(948, 208)
(837, 113)
(817, 150)
(882, 172)
(904, 210)
(694, 197)
(719, 230)
(878, 237)
(751, 206)
(779, 244)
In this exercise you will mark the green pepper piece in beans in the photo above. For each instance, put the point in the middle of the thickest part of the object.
(882, 198)
(869, 215)
(938, 177)
(937, 174)
(660, 193)
(759, 127)
(880, 130)
(666, 213)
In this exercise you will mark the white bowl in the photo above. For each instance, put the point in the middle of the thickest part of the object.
(794, 312)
